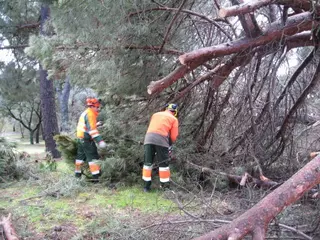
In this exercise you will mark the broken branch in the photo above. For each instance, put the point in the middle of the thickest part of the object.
(8, 229)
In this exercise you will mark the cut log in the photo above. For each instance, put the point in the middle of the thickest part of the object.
(255, 221)
(8, 229)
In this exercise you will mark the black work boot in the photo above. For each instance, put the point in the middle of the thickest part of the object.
(147, 186)
(95, 178)
(78, 175)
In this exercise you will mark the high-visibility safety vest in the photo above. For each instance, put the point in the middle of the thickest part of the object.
(87, 126)
(165, 124)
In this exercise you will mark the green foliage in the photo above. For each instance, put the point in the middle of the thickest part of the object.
(106, 45)
(8, 159)
(125, 153)
(68, 148)
(40, 48)
(48, 165)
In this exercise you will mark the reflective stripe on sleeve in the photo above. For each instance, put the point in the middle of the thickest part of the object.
(94, 133)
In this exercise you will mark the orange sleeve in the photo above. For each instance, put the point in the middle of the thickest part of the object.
(92, 121)
(92, 128)
(174, 132)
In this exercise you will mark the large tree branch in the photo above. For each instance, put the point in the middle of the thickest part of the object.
(248, 7)
(219, 73)
(255, 221)
(301, 39)
(248, 22)
(158, 86)
(276, 31)
(192, 60)
(243, 8)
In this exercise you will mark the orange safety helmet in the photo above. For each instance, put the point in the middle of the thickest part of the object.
(93, 102)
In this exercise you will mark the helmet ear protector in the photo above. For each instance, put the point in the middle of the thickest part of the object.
(172, 107)
(93, 102)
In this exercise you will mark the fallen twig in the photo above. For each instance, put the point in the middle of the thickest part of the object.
(8, 229)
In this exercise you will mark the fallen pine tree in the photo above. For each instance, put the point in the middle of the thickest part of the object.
(255, 221)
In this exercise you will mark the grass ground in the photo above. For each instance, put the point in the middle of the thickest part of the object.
(58, 206)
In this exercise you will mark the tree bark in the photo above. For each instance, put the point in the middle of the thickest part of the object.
(295, 24)
(198, 58)
(248, 22)
(64, 93)
(221, 72)
(255, 221)
(47, 95)
(8, 229)
(248, 7)
(49, 117)
(243, 8)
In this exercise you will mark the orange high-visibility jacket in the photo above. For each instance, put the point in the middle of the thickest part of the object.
(165, 124)
(87, 126)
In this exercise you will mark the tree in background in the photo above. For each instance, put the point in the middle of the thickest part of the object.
(20, 19)
(47, 94)
(63, 90)
(20, 98)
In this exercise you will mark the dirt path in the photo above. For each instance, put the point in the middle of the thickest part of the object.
(23, 144)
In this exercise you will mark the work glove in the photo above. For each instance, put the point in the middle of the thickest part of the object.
(102, 144)
(99, 124)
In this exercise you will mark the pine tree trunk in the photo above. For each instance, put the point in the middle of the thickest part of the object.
(38, 135)
(64, 94)
(31, 133)
(48, 106)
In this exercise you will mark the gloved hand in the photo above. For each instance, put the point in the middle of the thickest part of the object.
(102, 144)
(99, 124)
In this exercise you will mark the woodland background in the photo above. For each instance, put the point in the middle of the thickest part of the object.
(245, 75)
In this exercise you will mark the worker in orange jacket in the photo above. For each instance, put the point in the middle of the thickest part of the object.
(88, 136)
(161, 133)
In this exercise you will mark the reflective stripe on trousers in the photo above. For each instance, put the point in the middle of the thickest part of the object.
(79, 164)
(94, 168)
(146, 173)
(164, 174)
